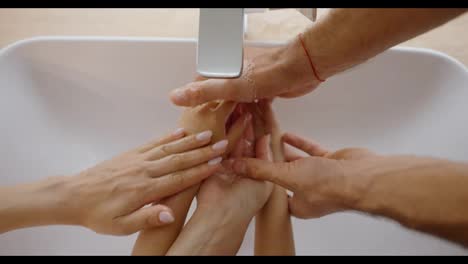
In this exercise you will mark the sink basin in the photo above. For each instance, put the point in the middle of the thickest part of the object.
(68, 103)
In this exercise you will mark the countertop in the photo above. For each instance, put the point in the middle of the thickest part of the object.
(17, 24)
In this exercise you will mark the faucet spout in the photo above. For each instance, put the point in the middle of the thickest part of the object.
(220, 47)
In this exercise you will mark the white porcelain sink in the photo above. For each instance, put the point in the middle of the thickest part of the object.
(68, 103)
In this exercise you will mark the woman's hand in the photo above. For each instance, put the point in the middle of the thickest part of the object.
(110, 197)
(157, 241)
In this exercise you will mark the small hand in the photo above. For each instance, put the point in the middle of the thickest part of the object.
(227, 190)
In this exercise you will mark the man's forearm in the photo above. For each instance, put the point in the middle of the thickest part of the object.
(425, 194)
(346, 37)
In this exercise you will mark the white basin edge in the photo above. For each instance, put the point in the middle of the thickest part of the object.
(11, 47)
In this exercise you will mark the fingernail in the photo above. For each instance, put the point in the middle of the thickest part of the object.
(205, 135)
(179, 94)
(166, 217)
(220, 145)
(179, 132)
(239, 167)
(215, 161)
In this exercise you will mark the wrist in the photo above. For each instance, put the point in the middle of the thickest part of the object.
(56, 199)
(335, 48)
(211, 231)
(224, 215)
(294, 63)
(36, 204)
(359, 181)
(348, 188)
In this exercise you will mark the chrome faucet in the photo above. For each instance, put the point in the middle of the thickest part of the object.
(220, 49)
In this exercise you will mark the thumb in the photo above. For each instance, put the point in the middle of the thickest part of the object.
(200, 92)
(279, 173)
(146, 217)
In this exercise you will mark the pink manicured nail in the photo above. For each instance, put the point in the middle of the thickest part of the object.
(215, 161)
(205, 135)
(166, 217)
(179, 132)
(220, 145)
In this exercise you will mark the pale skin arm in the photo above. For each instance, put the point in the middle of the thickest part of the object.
(421, 193)
(273, 227)
(28, 205)
(157, 241)
(338, 41)
(109, 198)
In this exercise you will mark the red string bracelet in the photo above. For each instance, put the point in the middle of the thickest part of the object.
(310, 60)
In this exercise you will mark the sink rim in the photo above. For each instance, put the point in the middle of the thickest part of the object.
(249, 43)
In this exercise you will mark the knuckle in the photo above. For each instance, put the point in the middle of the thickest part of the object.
(205, 153)
(140, 168)
(193, 86)
(191, 141)
(307, 148)
(139, 187)
(147, 169)
(196, 92)
(178, 178)
(117, 189)
(124, 188)
(177, 160)
(165, 150)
